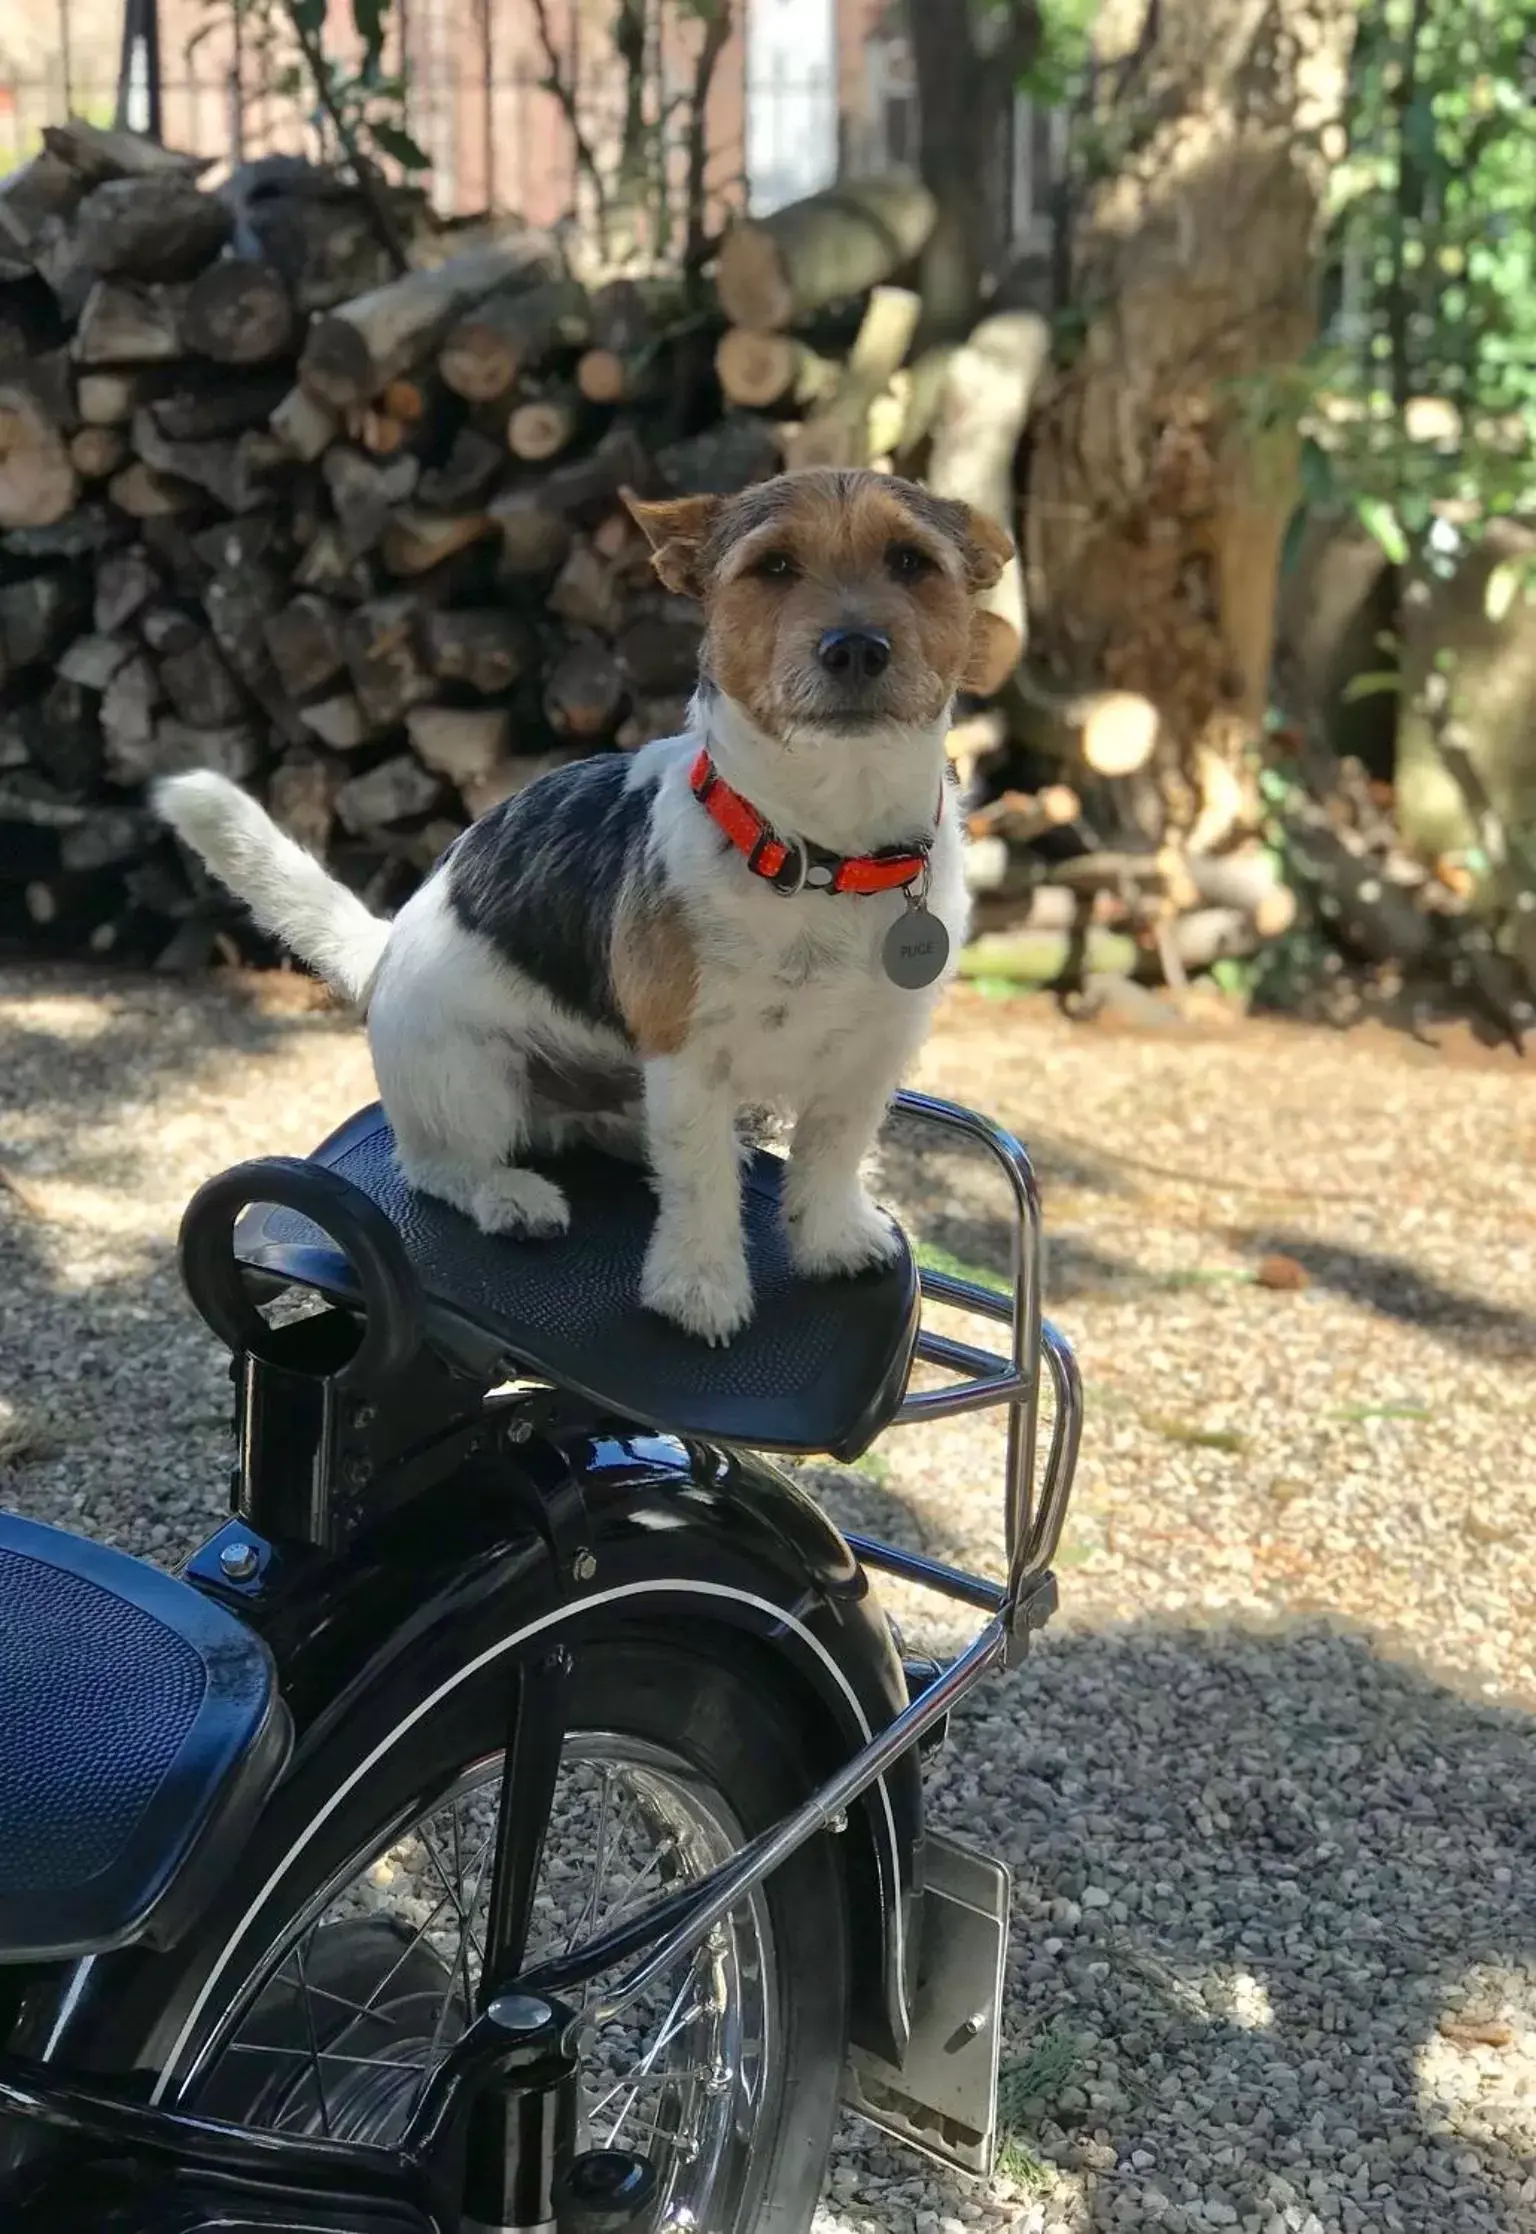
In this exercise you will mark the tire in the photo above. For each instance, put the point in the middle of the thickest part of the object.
(707, 1730)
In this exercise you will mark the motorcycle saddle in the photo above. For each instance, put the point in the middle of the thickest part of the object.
(821, 1366)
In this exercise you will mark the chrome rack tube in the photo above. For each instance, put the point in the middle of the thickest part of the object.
(734, 1880)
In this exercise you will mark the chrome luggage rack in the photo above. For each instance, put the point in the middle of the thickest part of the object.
(1024, 1601)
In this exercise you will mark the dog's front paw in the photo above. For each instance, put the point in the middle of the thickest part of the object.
(520, 1202)
(848, 1233)
(713, 1301)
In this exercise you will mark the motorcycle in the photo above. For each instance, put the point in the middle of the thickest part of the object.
(512, 1817)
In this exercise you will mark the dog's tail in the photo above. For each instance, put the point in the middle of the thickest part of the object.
(284, 887)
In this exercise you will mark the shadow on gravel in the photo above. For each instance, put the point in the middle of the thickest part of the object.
(114, 1414)
(1398, 1290)
(1254, 1873)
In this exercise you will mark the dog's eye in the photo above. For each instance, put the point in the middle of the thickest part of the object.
(774, 566)
(907, 563)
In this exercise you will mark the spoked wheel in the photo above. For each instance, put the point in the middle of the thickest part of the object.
(725, 2074)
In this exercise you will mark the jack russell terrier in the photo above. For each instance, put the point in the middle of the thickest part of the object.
(758, 913)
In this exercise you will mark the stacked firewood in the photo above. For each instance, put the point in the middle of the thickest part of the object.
(352, 533)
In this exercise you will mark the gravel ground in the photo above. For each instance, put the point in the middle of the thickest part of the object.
(1267, 1787)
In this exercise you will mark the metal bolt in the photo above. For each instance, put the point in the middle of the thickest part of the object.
(364, 1416)
(584, 1566)
(519, 1431)
(519, 2012)
(838, 1823)
(356, 1471)
(975, 2024)
(239, 1561)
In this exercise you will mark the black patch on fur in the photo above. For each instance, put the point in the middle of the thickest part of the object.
(540, 877)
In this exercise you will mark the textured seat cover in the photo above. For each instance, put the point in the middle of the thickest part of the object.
(821, 1366)
(130, 1712)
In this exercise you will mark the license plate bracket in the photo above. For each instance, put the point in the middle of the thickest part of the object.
(943, 2100)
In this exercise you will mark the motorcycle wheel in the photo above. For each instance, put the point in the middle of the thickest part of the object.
(335, 1974)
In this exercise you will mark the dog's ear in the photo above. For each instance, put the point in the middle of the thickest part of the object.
(993, 655)
(987, 548)
(677, 533)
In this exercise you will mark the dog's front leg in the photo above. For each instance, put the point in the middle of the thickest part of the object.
(834, 1225)
(696, 1266)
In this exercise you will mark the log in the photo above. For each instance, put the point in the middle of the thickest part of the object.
(301, 799)
(230, 406)
(540, 430)
(92, 661)
(123, 323)
(1249, 880)
(416, 540)
(38, 617)
(534, 540)
(201, 687)
(38, 481)
(46, 187)
(176, 746)
(584, 591)
(238, 312)
(396, 791)
(145, 494)
(462, 743)
(128, 717)
(512, 776)
(1044, 957)
(720, 459)
(1020, 816)
(339, 722)
(96, 452)
(761, 371)
(977, 431)
(85, 533)
(166, 629)
(95, 153)
(305, 642)
(110, 399)
(229, 546)
(304, 425)
(650, 718)
(223, 469)
(465, 477)
(628, 315)
(327, 564)
(838, 433)
(380, 647)
(584, 691)
(772, 271)
(125, 581)
(511, 334)
(364, 491)
(659, 648)
(488, 650)
(358, 349)
(156, 227)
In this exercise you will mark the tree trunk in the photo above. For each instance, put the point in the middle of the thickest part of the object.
(1160, 480)
(965, 86)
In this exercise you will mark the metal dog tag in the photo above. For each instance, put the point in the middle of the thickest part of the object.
(915, 949)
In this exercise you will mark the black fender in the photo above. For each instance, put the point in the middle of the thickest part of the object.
(528, 1538)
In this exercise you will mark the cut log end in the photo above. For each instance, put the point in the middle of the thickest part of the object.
(38, 480)
(1119, 733)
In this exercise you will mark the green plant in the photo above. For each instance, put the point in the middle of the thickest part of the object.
(1426, 390)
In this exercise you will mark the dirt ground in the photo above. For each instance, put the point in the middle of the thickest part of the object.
(1267, 1786)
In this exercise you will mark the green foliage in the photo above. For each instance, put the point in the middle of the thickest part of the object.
(356, 113)
(1427, 390)
(1055, 77)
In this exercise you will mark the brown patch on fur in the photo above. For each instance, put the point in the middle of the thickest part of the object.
(677, 533)
(654, 967)
(838, 530)
(994, 653)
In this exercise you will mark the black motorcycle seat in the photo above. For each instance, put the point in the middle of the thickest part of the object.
(821, 1366)
(140, 1729)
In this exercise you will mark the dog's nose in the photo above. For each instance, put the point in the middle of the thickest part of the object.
(854, 655)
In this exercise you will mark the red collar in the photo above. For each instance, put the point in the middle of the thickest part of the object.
(795, 864)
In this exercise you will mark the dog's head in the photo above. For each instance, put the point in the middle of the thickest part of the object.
(837, 601)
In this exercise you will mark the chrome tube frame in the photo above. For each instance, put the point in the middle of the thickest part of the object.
(1015, 1606)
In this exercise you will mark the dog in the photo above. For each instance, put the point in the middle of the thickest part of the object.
(635, 949)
